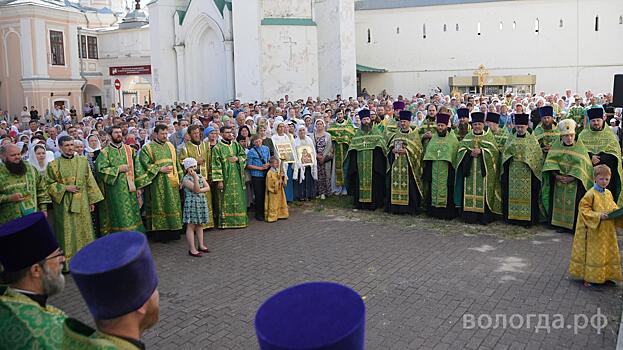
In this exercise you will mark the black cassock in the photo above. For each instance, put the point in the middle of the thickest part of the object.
(415, 199)
(613, 163)
(449, 212)
(378, 179)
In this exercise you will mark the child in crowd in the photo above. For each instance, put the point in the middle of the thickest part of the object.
(595, 256)
(275, 205)
(195, 207)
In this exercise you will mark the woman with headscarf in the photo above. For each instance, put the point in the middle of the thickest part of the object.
(324, 157)
(305, 166)
(39, 157)
(93, 147)
(284, 150)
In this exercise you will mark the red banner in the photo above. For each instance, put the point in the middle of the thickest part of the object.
(130, 70)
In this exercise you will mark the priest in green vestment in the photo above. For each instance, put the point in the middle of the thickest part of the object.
(522, 161)
(603, 148)
(341, 131)
(391, 123)
(547, 131)
(577, 113)
(163, 207)
(121, 179)
(405, 187)
(500, 134)
(477, 184)
(117, 279)
(228, 174)
(23, 189)
(429, 125)
(567, 175)
(74, 192)
(439, 173)
(32, 263)
(201, 151)
(463, 127)
(367, 165)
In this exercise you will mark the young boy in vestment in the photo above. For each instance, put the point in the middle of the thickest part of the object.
(595, 255)
(275, 205)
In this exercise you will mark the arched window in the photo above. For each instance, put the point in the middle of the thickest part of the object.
(445, 27)
(369, 35)
(561, 23)
(397, 30)
(424, 30)
(478, 28)
(597, 23)
(514, 24)
(457, 27)
(536, 26)
(501, 25)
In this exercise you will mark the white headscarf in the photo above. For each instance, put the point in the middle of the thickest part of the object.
(189, 162)
(88, 148)
(32, 157)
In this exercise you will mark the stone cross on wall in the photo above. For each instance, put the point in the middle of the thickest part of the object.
(290, 42)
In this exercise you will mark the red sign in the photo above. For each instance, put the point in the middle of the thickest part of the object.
(130, 70)
(117, 84)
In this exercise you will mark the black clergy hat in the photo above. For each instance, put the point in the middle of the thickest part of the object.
(493, 117)
(443, 118)
(522, 119)
(478, 117)
(609, 110)
(546, 111)
(364, 113)
(462, 112)
(405, 115)
(595, 113)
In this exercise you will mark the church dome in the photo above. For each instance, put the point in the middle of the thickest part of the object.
(135, 18)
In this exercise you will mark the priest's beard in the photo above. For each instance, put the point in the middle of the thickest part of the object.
(442, 133)
(596, 128)
(366, 127)
(18, 168)
(52, 283)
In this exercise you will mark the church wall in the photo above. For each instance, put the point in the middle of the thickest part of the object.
(412, 45)
(289, 61)
(163, 61)
(246, 24)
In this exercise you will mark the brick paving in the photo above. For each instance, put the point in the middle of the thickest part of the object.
(417, 285)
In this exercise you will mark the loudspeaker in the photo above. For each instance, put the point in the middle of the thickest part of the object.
(617, 93)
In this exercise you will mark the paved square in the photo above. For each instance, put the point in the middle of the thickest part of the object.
(417, 284)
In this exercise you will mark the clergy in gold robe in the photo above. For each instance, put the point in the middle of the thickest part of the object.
(74, 192)
(522, 161)
(228, 174)
(405, 152)
(595, 256)
(566, 176)
(275, 204)
(200, 150)
(23, 189)
(163, 208)
(477, 184)
(603, 148)
(120, 180)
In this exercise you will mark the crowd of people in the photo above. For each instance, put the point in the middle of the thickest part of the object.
(526, 159)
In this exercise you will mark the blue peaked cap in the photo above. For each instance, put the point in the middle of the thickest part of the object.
(315, 315)
(115, 274)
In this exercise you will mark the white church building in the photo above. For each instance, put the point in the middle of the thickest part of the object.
(72, 52)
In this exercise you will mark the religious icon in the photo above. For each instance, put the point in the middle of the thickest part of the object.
(285, 151)
(305, 155)
(399, 145)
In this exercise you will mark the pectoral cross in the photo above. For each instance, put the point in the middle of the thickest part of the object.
(364, 143)
(438, 153)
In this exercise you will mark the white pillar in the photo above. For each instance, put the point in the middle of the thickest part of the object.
(72, 53)
(181, 72)
(40, 36)
(247, 49)
(26, 45)
(230, 89)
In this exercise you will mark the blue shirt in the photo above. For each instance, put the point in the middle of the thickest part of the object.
(258, 157)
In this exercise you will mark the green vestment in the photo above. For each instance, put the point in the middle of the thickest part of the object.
(441, 151)
(546, 137)
(120, 210)
(428, 125)
(577, 113)
(162, 196)
(201, 152)
(364, 144)
(500, 138)
(569, 161)
(79, 336)
(232, 200)
(604, 141)
(72, 215)
(399, 170)
(478, 191)
(341, 134)
(25, 325)
(31, 185)
(525, 159)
